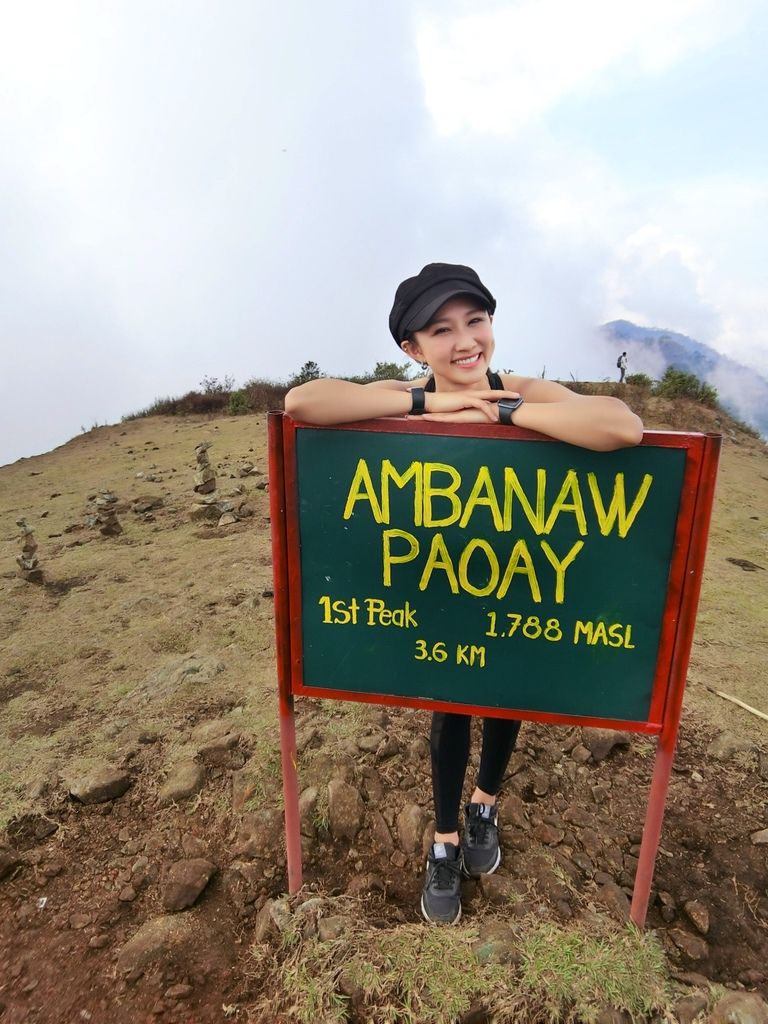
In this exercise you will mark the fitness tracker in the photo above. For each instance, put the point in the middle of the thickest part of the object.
(419, 402)
(507, 406)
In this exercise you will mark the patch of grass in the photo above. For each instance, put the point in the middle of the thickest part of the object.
(416, 975)
(572, 974)
(170, 638)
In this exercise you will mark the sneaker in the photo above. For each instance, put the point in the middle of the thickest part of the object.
(441, 895)
(480, 843)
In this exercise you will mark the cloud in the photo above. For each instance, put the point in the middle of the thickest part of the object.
(499, 68)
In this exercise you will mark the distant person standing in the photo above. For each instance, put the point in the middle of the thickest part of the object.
(621, 362)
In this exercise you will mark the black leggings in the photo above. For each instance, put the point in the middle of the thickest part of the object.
(449, 743)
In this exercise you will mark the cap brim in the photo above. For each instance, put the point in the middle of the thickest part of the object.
(434, 298)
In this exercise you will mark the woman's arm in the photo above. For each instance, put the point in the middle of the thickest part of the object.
(598, 422)
(326, 401)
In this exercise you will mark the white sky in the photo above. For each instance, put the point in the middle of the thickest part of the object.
(192, 188)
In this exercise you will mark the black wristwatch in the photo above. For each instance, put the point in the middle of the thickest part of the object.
(418, 402)
(507, 406)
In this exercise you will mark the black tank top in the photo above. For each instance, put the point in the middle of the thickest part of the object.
(494, 382)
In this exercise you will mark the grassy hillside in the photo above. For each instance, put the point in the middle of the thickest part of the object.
(135, 644)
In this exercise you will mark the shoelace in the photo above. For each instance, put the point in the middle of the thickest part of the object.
(445, 872)
(478, 829)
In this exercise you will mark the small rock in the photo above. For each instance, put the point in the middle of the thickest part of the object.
(184, 780)
(497, 946)
(512, 810)
(388, 747)
(411, 822)
(370, 742)
(688, 1009)
(79, 921)
(759, 838)
(694, 947)
(740, 1008)
(345, 809)
(307, 810)
(382, 837)
(724, 746)
(184, 939)
(329, 928)
(697, 776)
(548, 834)
(600, 742)
(365, 884)
(228, 519)
(186, 880)
(698, 915)
(9, 859)
(180, 991)
(580, 754)
(614, 900)
(98, 941)
(100, 785)
(494, 888)
(218, 751)
(540, 783)
(193, 846)
(127, 894)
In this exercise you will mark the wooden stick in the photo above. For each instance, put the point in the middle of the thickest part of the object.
(735, 700)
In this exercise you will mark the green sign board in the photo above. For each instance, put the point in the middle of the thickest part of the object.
(492, 572)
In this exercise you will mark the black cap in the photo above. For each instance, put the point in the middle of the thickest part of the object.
(418, 298)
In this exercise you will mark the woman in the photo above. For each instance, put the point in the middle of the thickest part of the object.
(443, 319)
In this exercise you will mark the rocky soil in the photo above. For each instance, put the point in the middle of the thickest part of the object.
(142, 863)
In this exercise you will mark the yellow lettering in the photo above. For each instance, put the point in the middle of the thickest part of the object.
(449, 492)
(389, 473)
(493, 562)
(361, 489)
(600, 633)
(439, 559)
(585, 628)
(618, 506)
(561, 566)
(520, 553)
(512, 486)
(615, 635)
(482, 493)
(389, 559)
(576, 505)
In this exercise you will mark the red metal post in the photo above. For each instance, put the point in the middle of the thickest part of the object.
(283, 651)
(665, 749)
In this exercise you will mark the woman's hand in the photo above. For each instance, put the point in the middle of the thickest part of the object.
(465, 406)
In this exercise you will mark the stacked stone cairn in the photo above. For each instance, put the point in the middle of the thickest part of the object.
(27, 561)
(205, 476)
(208, 506)
(105, 515)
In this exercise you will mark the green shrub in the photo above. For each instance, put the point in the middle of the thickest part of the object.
(640, 380)
(238, 403)
(678, 384)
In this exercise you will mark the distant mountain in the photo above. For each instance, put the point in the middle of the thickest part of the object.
(742, 391)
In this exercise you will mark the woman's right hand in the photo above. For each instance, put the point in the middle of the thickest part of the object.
(443, 404)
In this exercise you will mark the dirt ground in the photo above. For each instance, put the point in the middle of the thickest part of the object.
(143, 650)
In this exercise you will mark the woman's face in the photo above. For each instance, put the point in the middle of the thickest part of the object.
(457, 344)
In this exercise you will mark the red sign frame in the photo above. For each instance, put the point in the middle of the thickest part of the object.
(686, 569)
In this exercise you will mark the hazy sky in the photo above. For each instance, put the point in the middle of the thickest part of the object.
(192, 189)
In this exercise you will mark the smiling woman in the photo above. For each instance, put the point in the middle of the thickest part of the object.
(443, 318)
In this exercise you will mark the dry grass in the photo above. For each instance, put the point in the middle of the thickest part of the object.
(414, 974)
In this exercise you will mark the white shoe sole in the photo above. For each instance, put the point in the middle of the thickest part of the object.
(490, 870)
(430, 920)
